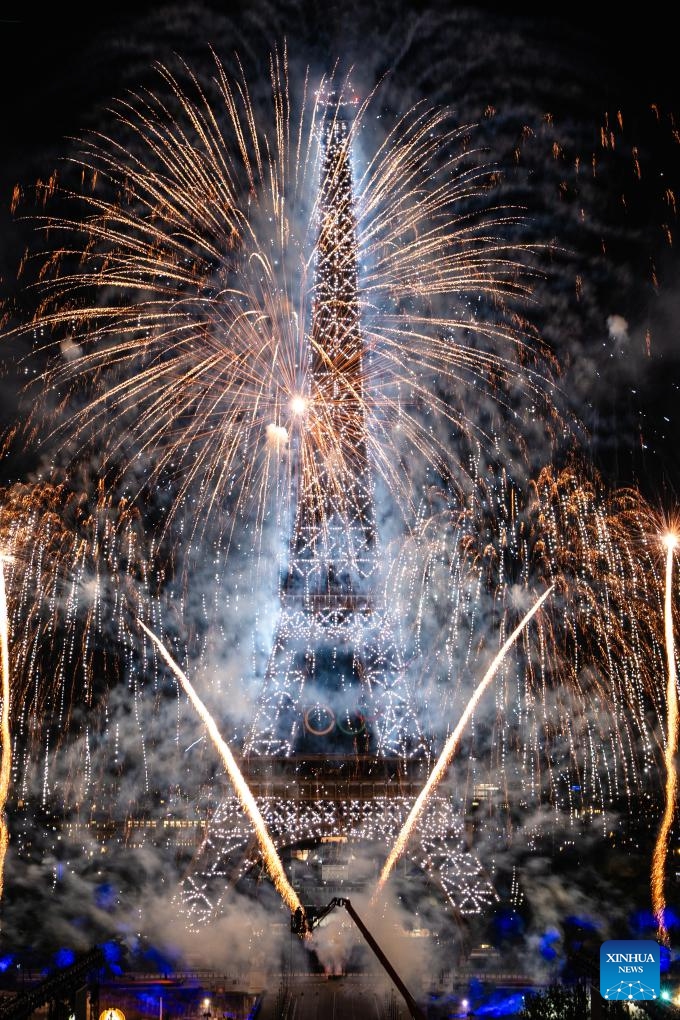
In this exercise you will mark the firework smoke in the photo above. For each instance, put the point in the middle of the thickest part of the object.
(451, 747)
(144, 312)
(270, 856)
(187, 311)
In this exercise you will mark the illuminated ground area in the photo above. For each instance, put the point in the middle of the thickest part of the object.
(357, 997)
(354, 998)
(243, 993)
(490, 958)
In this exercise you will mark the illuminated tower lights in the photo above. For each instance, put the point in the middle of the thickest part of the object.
(335, 682)
(439, 848)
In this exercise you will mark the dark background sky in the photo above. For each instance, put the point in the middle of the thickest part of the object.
(58, 66)
(59, 70)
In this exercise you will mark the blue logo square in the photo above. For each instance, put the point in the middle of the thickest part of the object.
(630, 970)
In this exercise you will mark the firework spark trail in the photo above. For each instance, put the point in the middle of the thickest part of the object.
(6, 754)
(192, 292)
(661, 847)
(246, 799)
(450, 748)
(604, 648)
(180, 295)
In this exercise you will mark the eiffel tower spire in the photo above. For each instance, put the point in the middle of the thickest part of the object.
(335, 682)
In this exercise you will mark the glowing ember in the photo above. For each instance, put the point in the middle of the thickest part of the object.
(277, 435)
(298, 405)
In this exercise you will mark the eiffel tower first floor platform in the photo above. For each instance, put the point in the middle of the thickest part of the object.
(335, 777)
(333, 823)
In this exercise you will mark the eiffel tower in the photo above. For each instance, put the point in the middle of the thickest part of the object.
(335, 682)
(335, 756)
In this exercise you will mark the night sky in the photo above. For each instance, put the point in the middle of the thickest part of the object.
(59, 73)
(579, 116)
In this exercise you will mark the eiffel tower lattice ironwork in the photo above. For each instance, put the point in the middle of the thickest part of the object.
(335, 681)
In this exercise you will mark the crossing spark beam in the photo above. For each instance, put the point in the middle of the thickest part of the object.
(270, 856)
(450, 748)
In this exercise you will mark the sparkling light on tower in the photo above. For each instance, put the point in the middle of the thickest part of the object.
(335, 688)
(451, 746)
(319, 335)
(335, 663)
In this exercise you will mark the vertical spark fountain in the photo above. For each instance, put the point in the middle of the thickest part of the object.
(658, 877)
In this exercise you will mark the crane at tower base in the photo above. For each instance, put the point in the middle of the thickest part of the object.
(303, 923)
